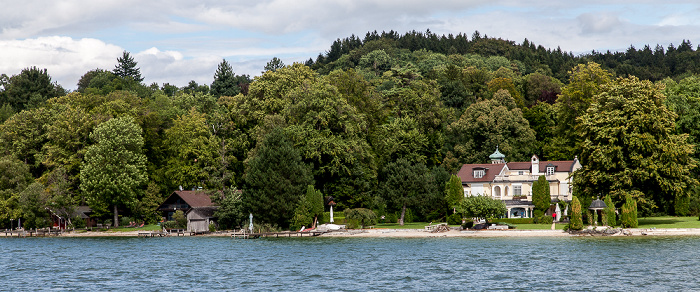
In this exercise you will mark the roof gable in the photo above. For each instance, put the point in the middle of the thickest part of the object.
(466, 173)
(195, 199)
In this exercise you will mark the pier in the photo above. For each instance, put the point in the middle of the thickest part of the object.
(244, 235)
(31, 233)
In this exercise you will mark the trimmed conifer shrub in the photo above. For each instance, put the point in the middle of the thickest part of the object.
(576, 221)
(629, 213)
(609, 212)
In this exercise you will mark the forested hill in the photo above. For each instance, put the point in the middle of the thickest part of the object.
(646, 63)
(379, 124)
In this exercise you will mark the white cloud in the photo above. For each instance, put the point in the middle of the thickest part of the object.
(176, 41)
(63, 57)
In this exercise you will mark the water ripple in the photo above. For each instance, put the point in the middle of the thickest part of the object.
(350, 264)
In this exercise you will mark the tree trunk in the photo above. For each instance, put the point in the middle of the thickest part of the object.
(403, 213)
(116, 216)
(315, 221)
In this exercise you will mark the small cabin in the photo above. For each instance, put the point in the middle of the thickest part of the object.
(196, 205)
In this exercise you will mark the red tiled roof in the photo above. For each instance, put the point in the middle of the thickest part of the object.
(195, 198)
(567, 165)
(519, 165)
(466, 173)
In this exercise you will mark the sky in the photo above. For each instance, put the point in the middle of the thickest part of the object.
(176, 41)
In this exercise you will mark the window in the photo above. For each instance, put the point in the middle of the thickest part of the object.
(550, 170)
(521, 172)
(517, 191)
(479, 173)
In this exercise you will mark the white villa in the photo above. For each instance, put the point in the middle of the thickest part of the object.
(511, 182)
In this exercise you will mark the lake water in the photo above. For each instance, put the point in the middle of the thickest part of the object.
(350, 264)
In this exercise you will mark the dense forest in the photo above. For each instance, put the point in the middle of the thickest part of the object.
(378, 123)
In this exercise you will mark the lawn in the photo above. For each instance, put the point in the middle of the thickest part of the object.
(669, 222)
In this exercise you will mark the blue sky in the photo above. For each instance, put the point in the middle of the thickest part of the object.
(177, 41)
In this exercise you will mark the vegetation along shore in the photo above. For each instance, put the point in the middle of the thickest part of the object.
(475, 132)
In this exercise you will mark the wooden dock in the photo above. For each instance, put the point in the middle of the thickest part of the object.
(153, 234)
(244, 235)
(31, 233)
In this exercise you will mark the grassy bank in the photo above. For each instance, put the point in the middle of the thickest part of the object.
(669, 222)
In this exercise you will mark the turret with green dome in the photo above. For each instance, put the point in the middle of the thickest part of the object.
(497, 157)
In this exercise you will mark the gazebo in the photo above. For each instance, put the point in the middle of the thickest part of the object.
(597, 206)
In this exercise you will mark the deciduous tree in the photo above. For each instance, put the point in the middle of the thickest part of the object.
(630, 145)
(482, 207)
(114, 172)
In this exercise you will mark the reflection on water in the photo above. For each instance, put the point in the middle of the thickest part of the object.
(566, 264)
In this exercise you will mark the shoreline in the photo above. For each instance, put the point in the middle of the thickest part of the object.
(419, 233)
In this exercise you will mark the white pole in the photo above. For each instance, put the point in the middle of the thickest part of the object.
(331, 214)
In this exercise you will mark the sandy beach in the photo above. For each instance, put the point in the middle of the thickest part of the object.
(419, 233)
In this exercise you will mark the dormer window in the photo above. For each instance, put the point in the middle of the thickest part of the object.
(479, 173)
(550, 170)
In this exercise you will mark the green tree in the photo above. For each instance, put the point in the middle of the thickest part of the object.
(84, 81)
(191, 149)
(609, 212)
(14, 178)
(454, 192)
(315, 199)
(114, 171)
(224, 81)
(490, 123)
(360, 217)
(29, 89)
(542, 120)
(126, 67)
(628, 218)
(482, 207)
(273, 65)
(180, 219)
(403, 184)
(229, 215)
(630, 145)
(275, 180)
(585, 81)
(540, 195)
(576, 222)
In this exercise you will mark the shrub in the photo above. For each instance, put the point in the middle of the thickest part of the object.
(360, 217)
(392, 218)
(537, 214)
(180, 219)
(609, 212)
(78, 222)
(629, 213)
(212, 227)
(454, 219)
(576, 221)
(682, 205)
(107, 222)
(170, 225)
(545, 219)
(125, 221)
(517, 220)
(468, 224)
